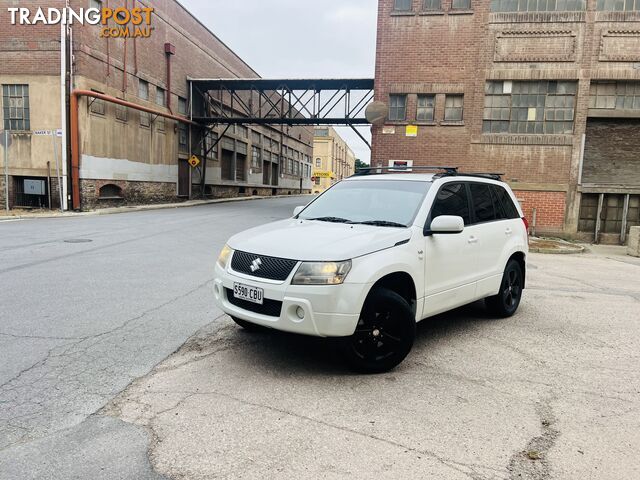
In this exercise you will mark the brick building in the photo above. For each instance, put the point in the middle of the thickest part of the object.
(545, 91)
(127, 155)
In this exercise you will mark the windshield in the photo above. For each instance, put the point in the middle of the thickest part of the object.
(391, 203)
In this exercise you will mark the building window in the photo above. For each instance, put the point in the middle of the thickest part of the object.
(318, 162)
(15, 107)
(95, 4)
(143, 89)
(453, 108)
(615, 95)
(538, 5)
(210, 139)
(182, 106)
(426, 108)
(242, 131)
(397, 108)
(255, 157)
(545, 107)
(402, 5)
(161, 96)
(461, 5)
(97, 105)
(432, 5)
(122, 113)
(183, 138)
(618, 5)
(321, 132)
(255, 138)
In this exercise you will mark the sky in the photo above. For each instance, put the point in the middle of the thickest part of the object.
(299, 39)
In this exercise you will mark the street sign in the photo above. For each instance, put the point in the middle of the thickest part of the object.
(323, 174)
(194, 161)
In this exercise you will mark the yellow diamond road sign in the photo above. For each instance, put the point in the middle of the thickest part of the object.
(194, 161)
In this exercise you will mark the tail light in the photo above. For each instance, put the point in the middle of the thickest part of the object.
(526, 227)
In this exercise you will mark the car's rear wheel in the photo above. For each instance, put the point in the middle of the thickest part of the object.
(384, 334)
(248, 326)
(506, 302)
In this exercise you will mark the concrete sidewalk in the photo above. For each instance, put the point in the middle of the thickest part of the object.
(25, 214)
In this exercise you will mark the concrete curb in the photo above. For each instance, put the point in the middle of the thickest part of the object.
(142, 208)
(563, 248)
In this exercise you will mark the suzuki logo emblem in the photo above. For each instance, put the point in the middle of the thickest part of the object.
(255, 265)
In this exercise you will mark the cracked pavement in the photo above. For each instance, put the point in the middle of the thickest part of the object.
(552, 393)
(97, 380)
(81, 321)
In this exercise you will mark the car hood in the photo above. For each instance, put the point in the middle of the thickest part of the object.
(314, 240)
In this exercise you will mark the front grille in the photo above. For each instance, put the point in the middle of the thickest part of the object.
(271, 308)
(272, 268)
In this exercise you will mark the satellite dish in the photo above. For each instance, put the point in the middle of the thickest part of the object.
(376, 113)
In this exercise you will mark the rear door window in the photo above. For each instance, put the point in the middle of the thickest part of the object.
(482, 202)
(504, 201)
(452, 199)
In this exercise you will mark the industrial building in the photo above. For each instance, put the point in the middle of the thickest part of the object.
(132, 140)
(333, 159)
(546, 92)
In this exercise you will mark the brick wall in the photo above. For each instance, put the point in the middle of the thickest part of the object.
(549, 206)
(457, 52)
(612, 152)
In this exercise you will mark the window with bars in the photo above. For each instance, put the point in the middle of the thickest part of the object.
(618, 5)
(461, 5)
(538, 5)
(538, 107)
(15, 107)
(453, 108)
(402, 5)
(615, 95)
(432, 5)
(255, 157)
(397, 108)
(425, 108)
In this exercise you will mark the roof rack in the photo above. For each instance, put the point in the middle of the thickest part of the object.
(489, 175)
(405, 169)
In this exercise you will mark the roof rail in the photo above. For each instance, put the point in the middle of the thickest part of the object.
(403, 169)
(489, 175)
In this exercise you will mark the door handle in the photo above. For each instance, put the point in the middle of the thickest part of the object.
(508, 231)
(472, 239)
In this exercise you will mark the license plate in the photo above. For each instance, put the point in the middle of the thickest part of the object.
(248, 293)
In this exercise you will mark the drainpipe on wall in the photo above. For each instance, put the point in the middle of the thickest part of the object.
(75, 132)
(168, 51)
(63, 113)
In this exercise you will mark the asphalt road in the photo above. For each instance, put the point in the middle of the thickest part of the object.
(90, 388)
(88, 305)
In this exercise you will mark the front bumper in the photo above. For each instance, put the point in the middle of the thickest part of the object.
(329, 310)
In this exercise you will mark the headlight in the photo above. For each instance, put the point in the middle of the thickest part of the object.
(223, 258)
(321, 273)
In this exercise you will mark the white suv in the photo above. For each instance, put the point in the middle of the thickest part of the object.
(375, 254)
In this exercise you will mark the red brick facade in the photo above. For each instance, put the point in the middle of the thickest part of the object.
(449, 52)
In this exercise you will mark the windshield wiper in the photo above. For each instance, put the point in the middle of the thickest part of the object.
(381, 223)
(330, 219)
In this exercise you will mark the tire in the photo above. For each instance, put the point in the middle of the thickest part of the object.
(248, 326)
(384, 334)
(506, 302)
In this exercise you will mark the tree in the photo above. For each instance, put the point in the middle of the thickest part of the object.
(360, 164)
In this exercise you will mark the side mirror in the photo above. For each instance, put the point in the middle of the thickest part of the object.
(446, 224)
(297, 210)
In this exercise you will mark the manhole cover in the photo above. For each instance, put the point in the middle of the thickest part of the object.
(78, 240)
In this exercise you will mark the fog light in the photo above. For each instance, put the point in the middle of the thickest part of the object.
(300, 312)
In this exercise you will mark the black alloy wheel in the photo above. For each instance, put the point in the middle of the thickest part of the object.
(506, 302)
(384, 334)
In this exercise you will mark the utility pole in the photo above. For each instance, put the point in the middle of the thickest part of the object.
(6, 170)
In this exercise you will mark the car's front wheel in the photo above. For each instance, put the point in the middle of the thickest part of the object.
(384, 334)
(506, 302)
